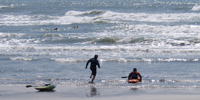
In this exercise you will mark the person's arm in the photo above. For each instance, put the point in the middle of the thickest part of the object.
(140, 77)
(129, 76)
(87, 64)
(98, 64)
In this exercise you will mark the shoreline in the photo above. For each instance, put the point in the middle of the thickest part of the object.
(91, 92)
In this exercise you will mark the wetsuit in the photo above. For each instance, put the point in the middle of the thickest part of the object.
(93, 63)
(134, 75)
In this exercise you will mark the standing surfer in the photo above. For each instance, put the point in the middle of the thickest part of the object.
(93, 63)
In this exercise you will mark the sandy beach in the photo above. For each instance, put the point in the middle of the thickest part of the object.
(90, 92)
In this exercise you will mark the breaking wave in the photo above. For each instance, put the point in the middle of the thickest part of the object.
(93, 13)
(196, 8)
(97, 16)
(3, 7)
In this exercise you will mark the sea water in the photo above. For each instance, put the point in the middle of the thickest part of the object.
(50, 41)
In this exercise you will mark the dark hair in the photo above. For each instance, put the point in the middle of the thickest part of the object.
(134, 69)
(96, 56)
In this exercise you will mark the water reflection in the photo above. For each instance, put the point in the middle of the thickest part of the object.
(93, 92)
(134, 89)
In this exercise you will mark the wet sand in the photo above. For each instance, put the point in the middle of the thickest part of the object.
(91, 92)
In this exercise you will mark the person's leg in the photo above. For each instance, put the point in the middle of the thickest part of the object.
(93, 75)
(93, 78)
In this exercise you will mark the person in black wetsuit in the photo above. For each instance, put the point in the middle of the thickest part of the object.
(135, 75)
(93, 63)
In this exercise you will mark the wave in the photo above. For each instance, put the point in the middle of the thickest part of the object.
(12, 6)
(123, 60)
(24, 20)
(71, 60)
(116, 17)
(171, 46)
(145, 41)
(95, 16)
(106, 40)
(11, 35)
(160, 40)
(51, 35)
(23, 58)
(196, 8)
(93, 13)
(3, 7)
(102, 22)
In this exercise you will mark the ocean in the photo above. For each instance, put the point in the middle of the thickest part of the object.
(50, 41)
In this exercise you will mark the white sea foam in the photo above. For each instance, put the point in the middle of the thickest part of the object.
(11, 35)
(196, 8)
(143, 17)
(2, 7)
(109, 16)
(124, 39)
(124, 60)
(23, 20)
(71, 60)
(23, 58)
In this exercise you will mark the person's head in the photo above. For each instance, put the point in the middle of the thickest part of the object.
(134, 69)
(95, 56)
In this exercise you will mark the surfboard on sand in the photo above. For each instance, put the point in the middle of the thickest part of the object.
(45, 87)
